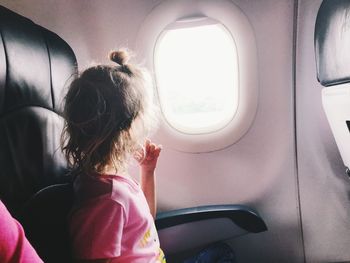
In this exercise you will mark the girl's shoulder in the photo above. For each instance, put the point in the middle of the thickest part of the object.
(124, 189)
(120, 189)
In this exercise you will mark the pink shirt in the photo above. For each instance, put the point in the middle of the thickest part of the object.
(14, 247)
(111, 219)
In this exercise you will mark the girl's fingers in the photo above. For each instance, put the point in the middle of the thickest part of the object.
(156, 153)
(151, 150)
(158, 148)
(147, 147)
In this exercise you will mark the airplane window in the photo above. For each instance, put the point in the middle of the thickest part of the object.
(196, 71)
(204, 61)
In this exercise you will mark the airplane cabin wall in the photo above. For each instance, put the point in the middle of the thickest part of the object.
(260, 169)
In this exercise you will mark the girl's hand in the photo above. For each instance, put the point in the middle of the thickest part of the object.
(148, 155)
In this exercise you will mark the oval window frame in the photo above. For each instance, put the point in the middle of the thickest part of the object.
(236, 22)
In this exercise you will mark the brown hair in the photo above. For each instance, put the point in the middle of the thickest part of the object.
(101, 108)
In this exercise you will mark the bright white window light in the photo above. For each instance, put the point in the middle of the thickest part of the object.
(196, 71)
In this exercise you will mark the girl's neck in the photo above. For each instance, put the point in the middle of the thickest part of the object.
(113, 170)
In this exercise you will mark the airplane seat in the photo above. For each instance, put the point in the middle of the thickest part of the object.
(35, 66)
(332, 42)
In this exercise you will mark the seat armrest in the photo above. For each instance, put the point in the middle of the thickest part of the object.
(189, 228)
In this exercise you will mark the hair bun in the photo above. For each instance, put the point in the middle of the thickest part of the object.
(120, 57)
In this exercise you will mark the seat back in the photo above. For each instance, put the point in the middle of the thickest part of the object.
(332, 42)
(44, 217)
(35, 65)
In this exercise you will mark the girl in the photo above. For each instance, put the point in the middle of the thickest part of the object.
(107, 112)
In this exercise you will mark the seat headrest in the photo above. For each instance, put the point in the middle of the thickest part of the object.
(35, 64)
(332, 42)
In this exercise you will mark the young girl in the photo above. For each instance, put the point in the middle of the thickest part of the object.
(107, 111)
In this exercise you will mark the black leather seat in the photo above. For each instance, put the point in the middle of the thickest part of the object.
(35, 67)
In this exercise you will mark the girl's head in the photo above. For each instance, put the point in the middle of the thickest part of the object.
(107, 111)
